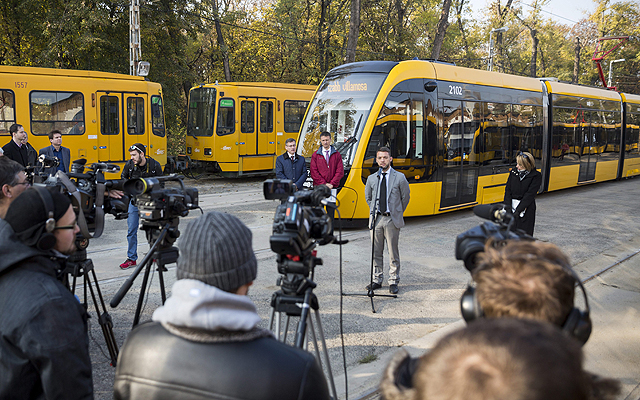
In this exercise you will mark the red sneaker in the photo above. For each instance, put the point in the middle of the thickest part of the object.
(127, 264)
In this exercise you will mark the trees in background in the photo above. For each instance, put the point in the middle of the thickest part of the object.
(297, 41)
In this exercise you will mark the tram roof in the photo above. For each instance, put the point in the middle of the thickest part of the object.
(582, 91)
(66, 72)
(260, 84)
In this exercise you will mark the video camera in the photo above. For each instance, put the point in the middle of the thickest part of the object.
(36, 174)
(157, 204)
(299, 219)
(470, 243)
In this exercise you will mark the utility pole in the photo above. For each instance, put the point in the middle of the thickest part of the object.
(135, 52)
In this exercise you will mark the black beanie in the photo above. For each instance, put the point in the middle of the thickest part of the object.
(140, 147)
(27, 214)
(216, 249)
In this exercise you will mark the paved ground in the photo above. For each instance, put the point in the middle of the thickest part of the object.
(596, 225)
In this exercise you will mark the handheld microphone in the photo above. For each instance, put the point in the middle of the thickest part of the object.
(492, 212)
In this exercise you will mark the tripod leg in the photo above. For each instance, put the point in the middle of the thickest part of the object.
(163, 295)
(287, 319)
(104, 319)
(326, 354)
(143, 288)
(273, 311)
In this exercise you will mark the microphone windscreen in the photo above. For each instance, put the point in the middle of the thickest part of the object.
(486, 211)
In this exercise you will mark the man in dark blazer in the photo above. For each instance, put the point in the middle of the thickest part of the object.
(387, 193)
(56, 149)
(15, 150)
(291, 166)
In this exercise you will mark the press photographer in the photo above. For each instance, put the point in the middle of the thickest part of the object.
(44, 345)
(139, 166)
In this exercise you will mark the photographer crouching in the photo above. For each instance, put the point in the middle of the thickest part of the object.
(44, 345)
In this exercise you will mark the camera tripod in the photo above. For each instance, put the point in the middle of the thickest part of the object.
(78, 265)
(295, 300)
(161, 253)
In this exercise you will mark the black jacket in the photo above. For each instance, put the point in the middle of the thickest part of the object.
(222, 365)
(150, 168)
(17, 154)
(524, 190)
(44, 345)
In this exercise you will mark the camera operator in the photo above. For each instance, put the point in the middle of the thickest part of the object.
(139, 166)
(13, 181)
(205, 341)
(495, 359)
(44, 345)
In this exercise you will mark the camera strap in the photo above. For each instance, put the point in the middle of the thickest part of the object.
(99, 201)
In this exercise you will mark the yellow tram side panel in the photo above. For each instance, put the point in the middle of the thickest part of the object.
(233, 152)
(631, 166)
(23, 80)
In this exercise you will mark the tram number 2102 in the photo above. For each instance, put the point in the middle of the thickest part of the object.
(455, 90)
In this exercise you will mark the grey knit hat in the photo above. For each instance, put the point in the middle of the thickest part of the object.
(216, 249)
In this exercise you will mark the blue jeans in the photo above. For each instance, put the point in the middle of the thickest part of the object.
(133, 220)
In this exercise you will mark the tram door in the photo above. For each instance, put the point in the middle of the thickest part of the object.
(110, 122)
(460, 121)
(134, 123)
(257, 130)
(588, 147)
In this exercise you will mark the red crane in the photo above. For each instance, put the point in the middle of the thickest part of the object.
(600, 53)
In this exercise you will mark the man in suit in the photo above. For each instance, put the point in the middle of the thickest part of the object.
(57, 150)
(15, 150)
(291, 166)
(387, 193)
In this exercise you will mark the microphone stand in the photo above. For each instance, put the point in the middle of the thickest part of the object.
(370, 293)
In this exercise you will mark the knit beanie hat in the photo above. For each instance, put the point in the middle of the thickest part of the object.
(27, 214)
(216, 249)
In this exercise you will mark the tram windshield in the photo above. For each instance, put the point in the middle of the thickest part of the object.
(341, 106)
(201, 111)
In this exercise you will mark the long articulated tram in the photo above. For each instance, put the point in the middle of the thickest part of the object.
(238, 128)
(455, 132)
(100, 114)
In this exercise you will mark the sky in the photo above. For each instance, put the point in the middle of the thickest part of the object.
(562, 11)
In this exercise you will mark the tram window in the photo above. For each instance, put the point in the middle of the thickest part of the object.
(400, 126)
(157, 116)
(632, 135)
(201, 111)
(109, 116)
(266, 116)
(496, 135)
(472, 146)
(7, 111)
(57, 110)
(247, 116)
(526, 124)
(226, 117)
(135, 115)
(293, 115)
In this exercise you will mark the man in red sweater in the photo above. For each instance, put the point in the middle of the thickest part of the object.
(326, 164)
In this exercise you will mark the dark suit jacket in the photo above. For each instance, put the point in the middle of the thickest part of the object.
(17, 154)
(66, 158)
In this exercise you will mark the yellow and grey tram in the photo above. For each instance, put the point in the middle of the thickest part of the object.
(239, 128)
(455, 132)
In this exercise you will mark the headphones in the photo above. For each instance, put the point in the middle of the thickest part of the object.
(47, 240)
(578, 323)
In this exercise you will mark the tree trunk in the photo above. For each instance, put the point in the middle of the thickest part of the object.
(221, 44)
(503, 13)
(461, 27)
(441, 29)
(576, 61)
(354, 32)
(534, 52)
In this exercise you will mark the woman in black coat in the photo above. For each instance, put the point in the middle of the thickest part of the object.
(520, 192)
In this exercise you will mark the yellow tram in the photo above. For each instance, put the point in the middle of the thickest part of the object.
(455, 132)
(100, 114)
(239, 128)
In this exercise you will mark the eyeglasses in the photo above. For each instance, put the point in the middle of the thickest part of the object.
(523, 155)
(26, 183)
(66, 226)
(134, 147)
